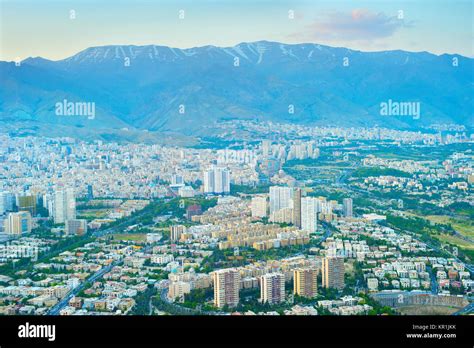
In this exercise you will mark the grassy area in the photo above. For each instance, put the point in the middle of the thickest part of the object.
(91, 214)
(135, 237)
(464, 227)
(446, 238)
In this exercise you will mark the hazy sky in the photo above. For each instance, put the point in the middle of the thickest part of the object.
(30, 28)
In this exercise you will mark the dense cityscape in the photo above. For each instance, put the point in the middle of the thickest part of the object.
(262, 219)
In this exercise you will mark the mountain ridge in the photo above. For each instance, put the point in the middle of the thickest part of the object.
(170, 89)
(240, 44)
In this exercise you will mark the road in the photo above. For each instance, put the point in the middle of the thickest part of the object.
(97, 275)
(64, 302)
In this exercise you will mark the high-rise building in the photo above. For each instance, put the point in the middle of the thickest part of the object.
(347, 207)
(48, 203)
(192, 210)
(90, 192)
(64, 206)
(176, 231)
(259, 206)
(297, 207)
(18, 223)
(217, 180)
(280, 198)
(26, 202)
(272, 288)
(305, 282)
(309, 214)
(76, 227)
(226, 287)
(177, 180)
(6, 202)
(266, 148)
(333, 272)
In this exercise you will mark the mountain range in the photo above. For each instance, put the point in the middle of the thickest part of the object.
(171, 90)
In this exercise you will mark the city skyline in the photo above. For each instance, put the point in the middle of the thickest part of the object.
(213, 161)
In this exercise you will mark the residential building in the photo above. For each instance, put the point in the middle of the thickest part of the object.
(26, 203)
(226, 287)
(280, 198)
(76, 227)
(309, 214)
(347, 207)
(6, 202)
(176, 231)
(18, 223)
(305, 282)
(217, 180)
(333, 272)
(272, 288)
(64, 206)
(297, 207)
(259, 206)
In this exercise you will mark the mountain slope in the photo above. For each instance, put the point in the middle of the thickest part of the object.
(180, 90)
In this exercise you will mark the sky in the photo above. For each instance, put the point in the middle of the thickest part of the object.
(57, 29)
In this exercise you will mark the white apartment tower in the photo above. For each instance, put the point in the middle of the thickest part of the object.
(272, 288)
(347, 207)
(310, 207)
(64, 205)
(280, 198)
(217, 180)
(176, 231)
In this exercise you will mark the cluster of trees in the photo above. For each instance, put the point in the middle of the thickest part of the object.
(235, 189)
(197, 297)
(142, 301)
(418, 225)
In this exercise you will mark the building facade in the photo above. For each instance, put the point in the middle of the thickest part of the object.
(305, 282)
(309, 214)
(272, 288)
(226, 287)
(18, 223)
(333, 272)
(64, 206)
(280, 198)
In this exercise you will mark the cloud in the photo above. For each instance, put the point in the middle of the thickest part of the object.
(359, 24)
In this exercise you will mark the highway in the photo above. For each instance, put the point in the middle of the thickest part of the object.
(97, 275)
(64, 302)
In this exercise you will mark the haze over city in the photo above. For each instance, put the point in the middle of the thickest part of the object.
(224, 159)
